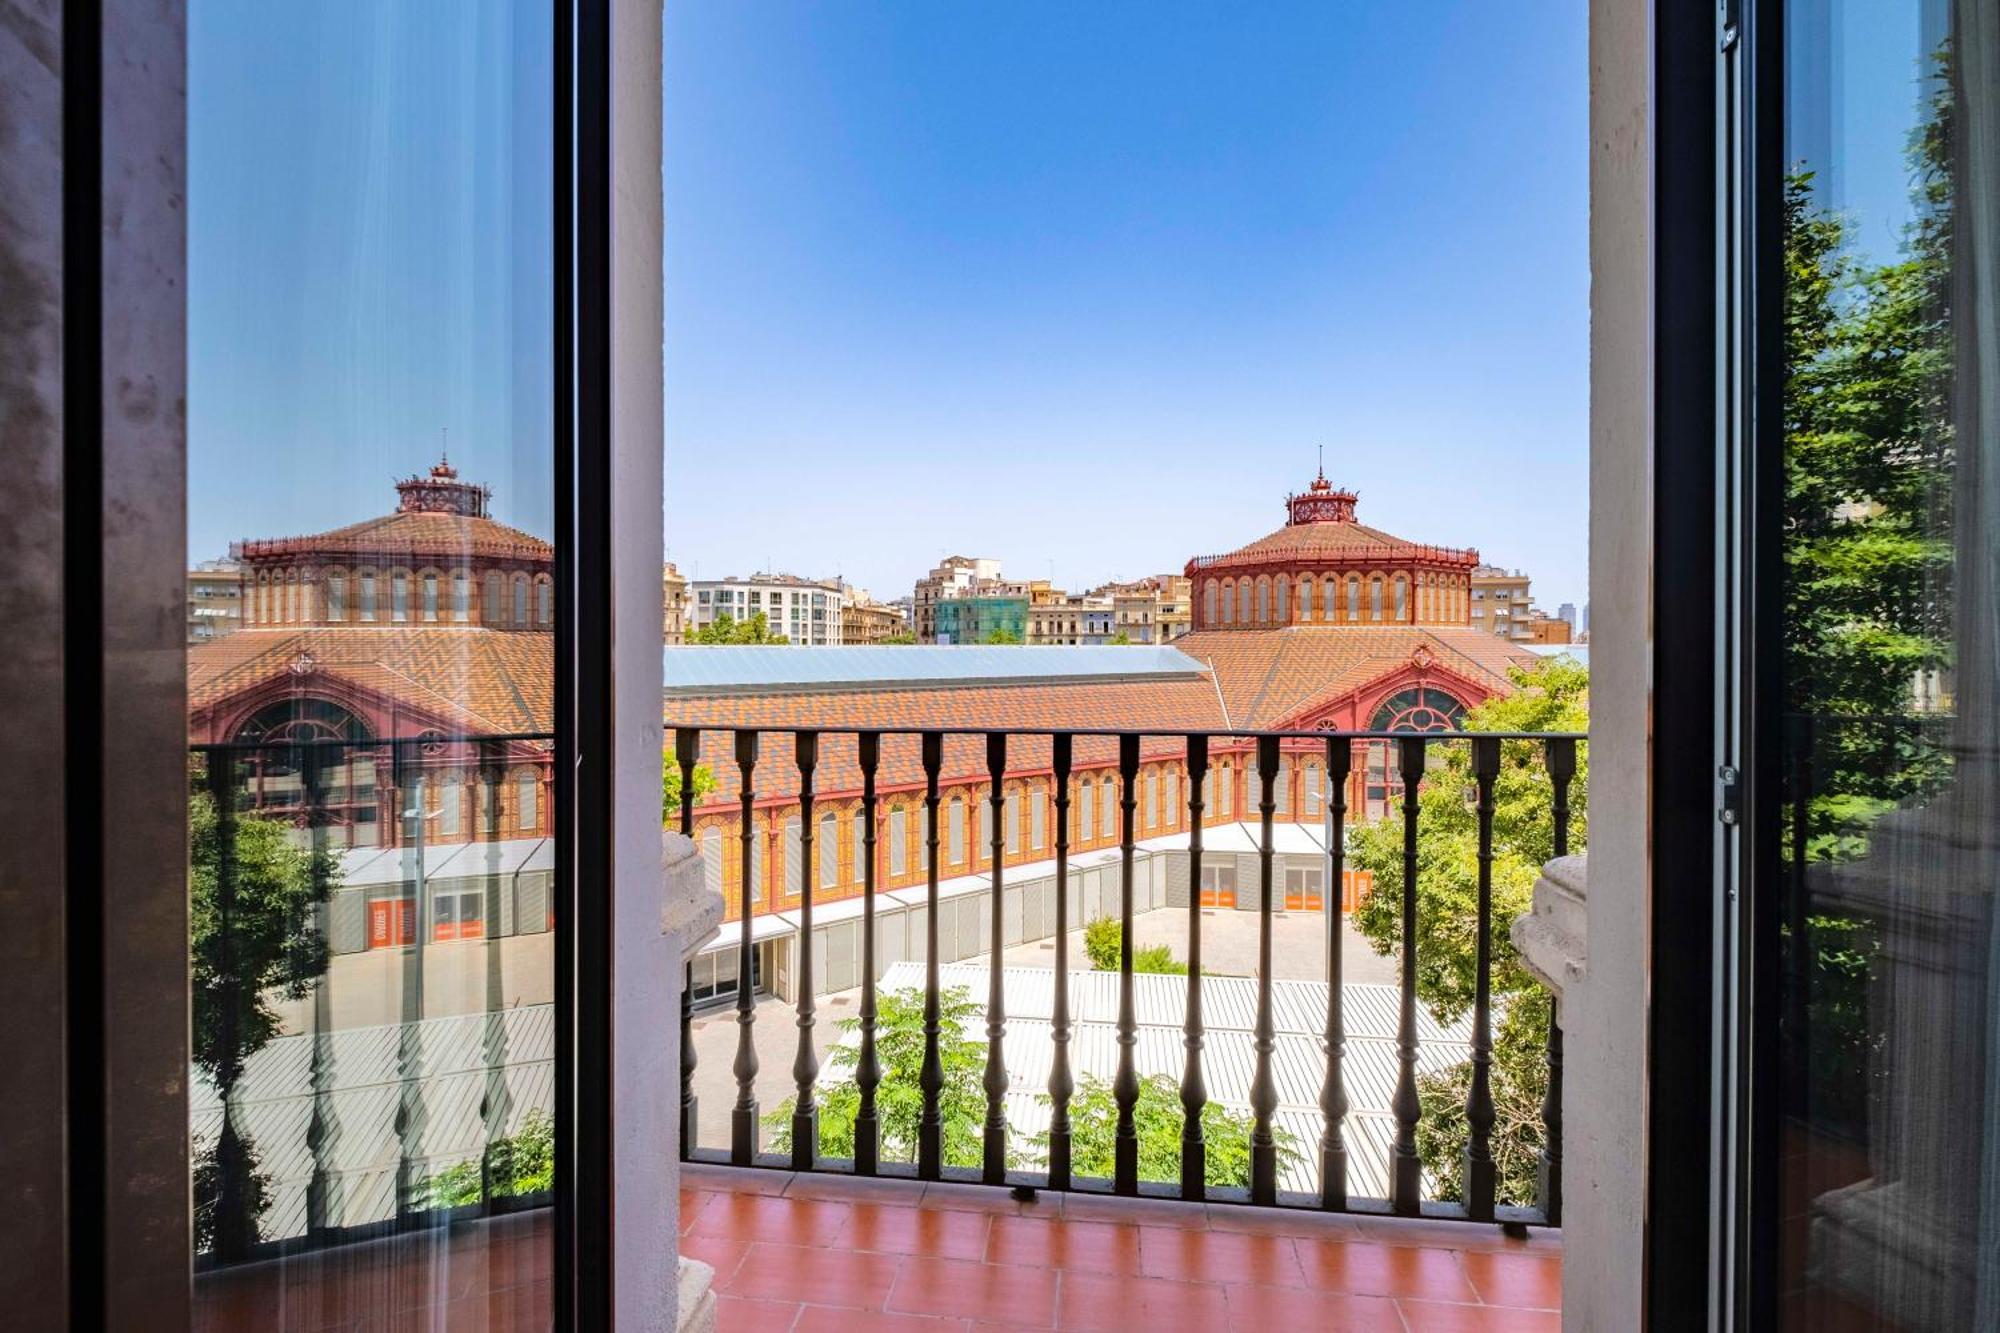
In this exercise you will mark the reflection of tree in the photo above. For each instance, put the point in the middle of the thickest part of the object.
(1869, 455)
(254, 936)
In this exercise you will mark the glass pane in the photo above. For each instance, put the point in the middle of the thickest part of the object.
(371, 460)
(1889, 1016)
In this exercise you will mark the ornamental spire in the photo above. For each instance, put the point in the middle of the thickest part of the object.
(1321, 503)
(442, 493)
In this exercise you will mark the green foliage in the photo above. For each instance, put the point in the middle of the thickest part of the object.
(670, 786)
(1157, 1118)
(1551, 695)
(519, 1163)
(1519, 1079)
(726, 629)
(899, 1098)
(211, 1229)
(1104, 938)
(1120, 639)
(1002, 634)
(899, 637)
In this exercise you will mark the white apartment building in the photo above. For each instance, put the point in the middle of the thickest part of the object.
(805, 611)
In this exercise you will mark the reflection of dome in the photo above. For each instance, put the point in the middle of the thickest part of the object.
(1326, 567)
(438, 559)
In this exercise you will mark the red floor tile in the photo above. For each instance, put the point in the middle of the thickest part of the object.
(820, 1319)
(1532, 1281)
(1100, 1247)
(1361, 1269)
(756, 1217)
(1219, 1256)
(1266, 1309)
(997, 1293)
(722, 1253)
(932, 1232)
(733, 1314)
(810, 1273)
(1432, 1317)
(1096, 1304)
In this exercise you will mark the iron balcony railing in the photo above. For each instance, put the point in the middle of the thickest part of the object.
(1558, 753)
(352, 1131)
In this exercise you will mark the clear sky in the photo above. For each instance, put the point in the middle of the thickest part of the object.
(1083, 287)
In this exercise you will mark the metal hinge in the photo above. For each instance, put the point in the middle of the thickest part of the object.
(1731, 14)
(1729, 797)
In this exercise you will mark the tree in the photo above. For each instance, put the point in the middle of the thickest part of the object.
(899, 1098)
(726, 629)
(520, 1163)
(1120, 639)
(670, 786)
(898, 637)
(1550, 695)
(1157, 1120)
(1002, 634)
(253, 938)
(1104, 939)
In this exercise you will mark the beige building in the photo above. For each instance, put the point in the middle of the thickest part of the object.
(214, 600)
(1153, 610)
(955, 576)
(673, 605)
(864, 620)
(1502, 603)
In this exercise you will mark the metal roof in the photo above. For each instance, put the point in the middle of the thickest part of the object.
(759, 669)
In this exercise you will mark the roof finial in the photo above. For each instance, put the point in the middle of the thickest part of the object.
(1322, 462)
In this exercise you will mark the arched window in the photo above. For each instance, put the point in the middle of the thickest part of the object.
(1208, 602)
(1088, 820)
(1402, 598)
(275, 777)
(1263, 599)
(1329, 602)
(399, 595)
(1375, 598)
(1281, 598)
(544, 601)
(520, 599)
(450, 797)
(954, 827)
(1305, 599)
(1038, 818)
(367, 596)
(1243, 601)
(336, 597)
(292, 597)
(711, 859)
(461, 597)
(1312, 785)
(1228, 603)
(1419, 708)
(1010, 815)
(829, 851)
(1173, 797)
(1354, 597)
(899, 840)
(490, 600)
(527, 801)
(1153, 799)
(1107, 808)
(1226, 790)
(430, 594)
(858, 852)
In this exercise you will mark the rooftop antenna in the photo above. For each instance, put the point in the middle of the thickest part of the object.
(1322, 460)
(444, 448)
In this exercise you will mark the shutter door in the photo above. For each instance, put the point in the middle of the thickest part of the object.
(1177, 879)
(347, 922)
(842, 953)
(531, 902)
(1248, 885)
(1013, 908)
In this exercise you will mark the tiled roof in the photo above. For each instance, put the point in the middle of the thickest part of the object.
(1173, 705)
(442, 537)
(479, 679)
(1272, 677)
(1333, 540)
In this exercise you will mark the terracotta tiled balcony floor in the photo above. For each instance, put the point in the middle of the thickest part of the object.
(819, 1254)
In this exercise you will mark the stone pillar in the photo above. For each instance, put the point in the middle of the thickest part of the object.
(690, 915)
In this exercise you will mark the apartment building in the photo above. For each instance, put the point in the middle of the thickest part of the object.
(214, 600)
(1502, 603)
(805, 611)
(673, 605)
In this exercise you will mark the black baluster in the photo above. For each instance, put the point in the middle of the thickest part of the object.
(930, 1121)
(687, 749)
(995, 1165)
(312, 772)
(235, 1218)
(1479, 1176)
(1194, 1091)
(868, 1070)
(1125, 1084)
(1562, 770)
(1264, 1087)
(805, 1065)
(743, 1118)
(1061, 1084)
(1333, 1092)
(413, 782)
(1407, 1184)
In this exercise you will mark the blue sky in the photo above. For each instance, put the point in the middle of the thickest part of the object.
(1081, 287)
(1084, 287)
